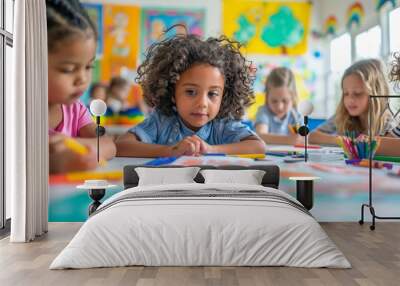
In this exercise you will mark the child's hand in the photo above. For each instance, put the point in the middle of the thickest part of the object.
(297, 139)
(190, 146)
(62, 159)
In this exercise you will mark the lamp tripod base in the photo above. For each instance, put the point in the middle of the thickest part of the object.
(374, 216)
(96, 195)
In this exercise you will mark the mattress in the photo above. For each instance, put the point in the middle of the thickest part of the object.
(201, 225)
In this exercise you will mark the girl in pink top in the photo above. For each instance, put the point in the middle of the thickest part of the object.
(71, 53)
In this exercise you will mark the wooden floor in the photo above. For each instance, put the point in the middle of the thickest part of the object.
(374, 255)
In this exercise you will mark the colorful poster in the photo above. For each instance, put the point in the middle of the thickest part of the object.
(95, 12)
(157, 20)
(270, 28)
(121, 40)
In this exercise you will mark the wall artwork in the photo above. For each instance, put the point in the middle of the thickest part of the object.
(121, 34)
(355, 15)
(269, 28)
(95, 12)
(157, 20)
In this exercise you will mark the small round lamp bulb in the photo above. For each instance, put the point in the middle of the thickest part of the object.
(98, 107)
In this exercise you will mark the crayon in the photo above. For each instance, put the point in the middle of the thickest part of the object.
(161, 161)
(75, 146)
(250, 156)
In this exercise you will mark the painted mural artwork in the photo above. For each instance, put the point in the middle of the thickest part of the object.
(268, 28)
(121, 31)
(95, 12)
(156, 21)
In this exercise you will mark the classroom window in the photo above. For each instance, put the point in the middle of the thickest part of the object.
(340, 51)
(368, 43)
(394, 35)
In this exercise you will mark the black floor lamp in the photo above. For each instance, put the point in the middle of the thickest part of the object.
(370, 204)
(305, 109)
(98, 108)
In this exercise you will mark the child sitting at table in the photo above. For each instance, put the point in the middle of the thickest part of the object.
(200, 94)
(71, 52)
(359, 81)
(277, 120)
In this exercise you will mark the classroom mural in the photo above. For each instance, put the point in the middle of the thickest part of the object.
(269, 28)
(156, 20)
(121, 33)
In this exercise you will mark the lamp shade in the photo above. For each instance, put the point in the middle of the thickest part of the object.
(306, 107)
(98, 107)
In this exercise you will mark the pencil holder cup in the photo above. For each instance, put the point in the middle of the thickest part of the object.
(358, 147)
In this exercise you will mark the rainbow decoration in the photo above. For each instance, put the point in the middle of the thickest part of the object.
(355, 15)
(331, 24)
(381, 3)
(131, 117)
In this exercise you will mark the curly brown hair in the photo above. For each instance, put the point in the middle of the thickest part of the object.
(394, 75)
(168, 59)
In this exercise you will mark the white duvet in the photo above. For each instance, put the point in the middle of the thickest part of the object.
(206, 230)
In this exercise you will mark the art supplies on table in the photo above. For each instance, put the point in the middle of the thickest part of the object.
(78, 148)
(357, 147)
(365, 163)
(161, 161)
(76, 177)
(308, 146)
(75, 146)
(293, 160)
(212, 160)
(293, 129)
(387, 158)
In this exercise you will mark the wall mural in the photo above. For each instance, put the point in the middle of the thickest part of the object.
(156, 20)
(269, 28)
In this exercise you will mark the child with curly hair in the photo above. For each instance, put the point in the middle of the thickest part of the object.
(199, 90)
(390, 146)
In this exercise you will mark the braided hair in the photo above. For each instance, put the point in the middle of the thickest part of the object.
(168, 59)
(66, 18)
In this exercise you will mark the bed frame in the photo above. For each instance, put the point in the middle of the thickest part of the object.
(270, 179)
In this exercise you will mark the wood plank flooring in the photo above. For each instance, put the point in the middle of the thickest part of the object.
(374, 255)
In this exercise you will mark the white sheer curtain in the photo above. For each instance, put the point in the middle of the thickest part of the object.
(27, 130)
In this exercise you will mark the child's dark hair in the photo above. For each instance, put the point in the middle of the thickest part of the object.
(394, 75)
(167, 59)
(95, 86)
(66, 18)
(118, 81)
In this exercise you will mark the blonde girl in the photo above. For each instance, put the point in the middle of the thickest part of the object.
(277, 120)
(359, 81)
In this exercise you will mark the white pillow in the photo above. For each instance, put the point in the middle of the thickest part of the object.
(248, 177)
(164, 176)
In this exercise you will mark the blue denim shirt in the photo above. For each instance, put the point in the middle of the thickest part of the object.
(276, 125)
(158, 128)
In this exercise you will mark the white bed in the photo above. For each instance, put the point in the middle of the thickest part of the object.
(201, 224)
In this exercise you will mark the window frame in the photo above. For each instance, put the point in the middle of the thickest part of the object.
(6, 39)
